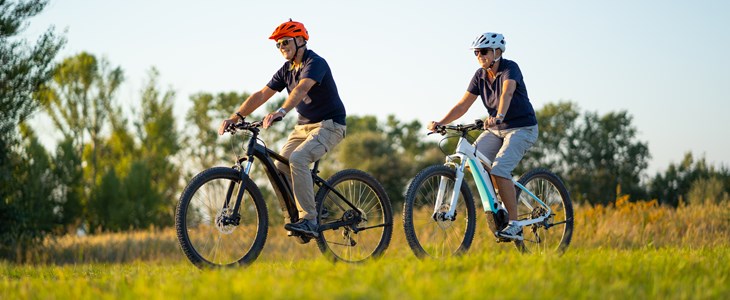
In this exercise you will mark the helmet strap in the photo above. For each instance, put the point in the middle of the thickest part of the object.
(495, 60)
(296, 50)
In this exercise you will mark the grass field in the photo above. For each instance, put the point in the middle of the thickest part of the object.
(627, 250)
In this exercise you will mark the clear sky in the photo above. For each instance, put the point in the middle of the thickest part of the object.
(665, 62)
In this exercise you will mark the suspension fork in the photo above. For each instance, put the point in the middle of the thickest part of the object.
(454, 197)
(243, 173)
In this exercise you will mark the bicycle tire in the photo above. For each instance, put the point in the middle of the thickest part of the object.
(418, 212)
(369, 196)
(550, 189)
(204, 241)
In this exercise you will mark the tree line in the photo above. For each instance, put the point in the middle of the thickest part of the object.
(113, 171)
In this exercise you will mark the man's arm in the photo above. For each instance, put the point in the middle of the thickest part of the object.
(247, 107)
(253, 102)
(296, 96)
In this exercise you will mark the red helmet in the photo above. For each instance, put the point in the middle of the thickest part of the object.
(290, 29)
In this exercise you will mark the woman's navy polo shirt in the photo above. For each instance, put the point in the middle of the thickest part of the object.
(520, 112)
(322, 101)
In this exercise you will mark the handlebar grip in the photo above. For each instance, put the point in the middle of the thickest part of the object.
(277, 119)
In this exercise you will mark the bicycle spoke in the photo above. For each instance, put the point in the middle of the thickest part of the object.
(371, 227)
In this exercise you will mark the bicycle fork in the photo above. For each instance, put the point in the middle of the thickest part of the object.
(231, 216)
(450, 214)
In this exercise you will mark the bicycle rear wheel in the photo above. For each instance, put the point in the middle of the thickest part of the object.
(369, 227)
(555, 233)
(204, 228)
(427, 235)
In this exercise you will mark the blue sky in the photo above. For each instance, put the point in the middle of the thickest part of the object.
(665, 62)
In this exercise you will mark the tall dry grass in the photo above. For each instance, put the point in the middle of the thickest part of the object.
(622, 225)
(626, 224)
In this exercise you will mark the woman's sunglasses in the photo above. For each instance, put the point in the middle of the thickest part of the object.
(482, 51)
(283, 43)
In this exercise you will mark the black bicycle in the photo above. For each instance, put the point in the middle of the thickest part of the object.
(222, 219)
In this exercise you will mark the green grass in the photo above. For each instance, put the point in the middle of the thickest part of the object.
(499, 272)
(622, 251)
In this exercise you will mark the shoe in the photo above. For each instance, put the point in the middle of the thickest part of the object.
(513, 231)
(303, 226)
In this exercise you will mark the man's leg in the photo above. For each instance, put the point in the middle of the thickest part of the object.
(295, 139)
(321, 139)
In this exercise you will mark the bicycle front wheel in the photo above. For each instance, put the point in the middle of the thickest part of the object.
(555, 233)
(427, 232)
(353, 234)
(206, 224)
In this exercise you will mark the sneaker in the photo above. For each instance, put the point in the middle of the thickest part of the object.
(303, 226)
(513, 231)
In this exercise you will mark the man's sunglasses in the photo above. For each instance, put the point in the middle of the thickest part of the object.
(482, 51)
(283, 43)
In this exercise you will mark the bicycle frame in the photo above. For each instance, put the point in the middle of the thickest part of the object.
(279, 182)
(467, 154)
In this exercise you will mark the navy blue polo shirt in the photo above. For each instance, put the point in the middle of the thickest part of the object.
(322, 101)
(520, 112)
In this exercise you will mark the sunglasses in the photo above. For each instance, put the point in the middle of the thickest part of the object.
(482, 51)
(283, 43)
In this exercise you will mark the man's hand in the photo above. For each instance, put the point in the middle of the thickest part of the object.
(225, 124)
(272, 117)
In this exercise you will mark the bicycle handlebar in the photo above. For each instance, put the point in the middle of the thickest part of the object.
(251, 126)
(463, 128)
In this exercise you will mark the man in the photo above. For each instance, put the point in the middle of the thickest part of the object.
(511, 128)
(321, 125)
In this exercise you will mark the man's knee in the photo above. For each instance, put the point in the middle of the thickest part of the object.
(299, 158)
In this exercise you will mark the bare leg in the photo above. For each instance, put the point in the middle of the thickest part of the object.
(508, 195)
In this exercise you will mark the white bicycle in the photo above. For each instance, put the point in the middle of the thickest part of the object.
(439, 219)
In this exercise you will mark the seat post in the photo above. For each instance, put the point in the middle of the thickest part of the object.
(315, 169)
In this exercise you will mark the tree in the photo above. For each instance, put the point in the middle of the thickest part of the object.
(679, 181)
(710, 190)
(23, 69)
(30, 214)
(604, 157)
(595, 155)
(160, 140)
(556, 123)
(140, 179)
(78, 101)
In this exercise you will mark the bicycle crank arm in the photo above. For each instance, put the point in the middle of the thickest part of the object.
(334, 225)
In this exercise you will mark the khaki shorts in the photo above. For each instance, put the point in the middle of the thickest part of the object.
(505, 148)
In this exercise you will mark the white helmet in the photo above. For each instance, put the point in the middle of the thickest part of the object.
(489, 40)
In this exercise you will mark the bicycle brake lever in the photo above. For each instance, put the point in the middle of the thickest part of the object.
(231, 128)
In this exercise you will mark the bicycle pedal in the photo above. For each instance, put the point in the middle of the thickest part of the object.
(500, 239)
(302, 239)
